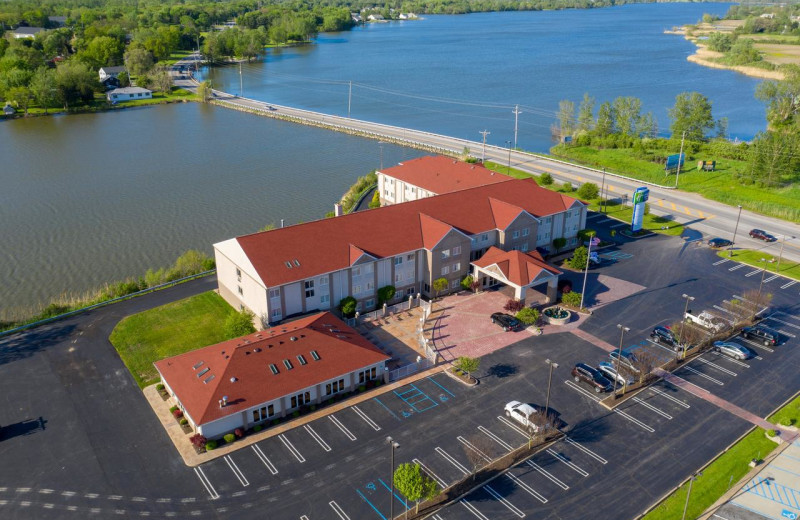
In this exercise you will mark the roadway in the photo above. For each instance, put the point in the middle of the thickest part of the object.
(712, 219)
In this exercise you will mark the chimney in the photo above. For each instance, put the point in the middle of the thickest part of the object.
(337, 210)
(221, 403)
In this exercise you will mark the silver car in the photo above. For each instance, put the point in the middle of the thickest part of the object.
(733, 350)
(608, 370)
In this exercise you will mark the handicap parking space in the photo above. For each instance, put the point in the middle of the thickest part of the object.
(422, 396)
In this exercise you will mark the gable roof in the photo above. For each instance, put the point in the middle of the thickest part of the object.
(130, 90)
(440, 174)
(325, 245)
(239, 369)
(519, 268)
(113, 70)
(30, 31)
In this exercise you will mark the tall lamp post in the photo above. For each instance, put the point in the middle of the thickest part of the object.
(683, 323)
(483, 155)
(622, 330)
(509, 157)
(689, 493)
(586, 269)
(603, 192)
(735, 229)
(381, 143)
(393, 444)
(761, 285)
(549, 380)
(778, 269)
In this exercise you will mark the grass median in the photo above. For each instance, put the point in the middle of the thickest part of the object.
(169, 330)
(787, 268)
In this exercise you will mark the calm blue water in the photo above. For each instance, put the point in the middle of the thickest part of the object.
(458, 75)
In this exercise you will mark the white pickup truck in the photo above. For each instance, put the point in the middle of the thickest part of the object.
(706, 320)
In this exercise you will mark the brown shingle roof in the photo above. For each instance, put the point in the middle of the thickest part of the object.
(440, 174)
(241, 367)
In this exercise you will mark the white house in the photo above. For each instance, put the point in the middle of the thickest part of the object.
(375, 18)
(26, 32)
(120, 95)
(8, 110)
(110, 72)
(253, 379)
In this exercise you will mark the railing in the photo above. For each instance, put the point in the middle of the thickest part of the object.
(412, 368)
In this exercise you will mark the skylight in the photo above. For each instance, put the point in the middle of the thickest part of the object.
(200, 374)
(287, 364)
(315, 355)
(273, 368)
(301, 359)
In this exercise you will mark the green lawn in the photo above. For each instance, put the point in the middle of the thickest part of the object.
(169, 330)
(750, 257)
(100, 103)
(718, 185)
(789, 415)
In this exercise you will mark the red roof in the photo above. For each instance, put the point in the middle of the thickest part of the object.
(327, 245)
(440, 174)
(519, 268)
(240, 368)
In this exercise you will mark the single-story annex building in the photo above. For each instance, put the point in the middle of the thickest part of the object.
(251, 380)
(119, 95)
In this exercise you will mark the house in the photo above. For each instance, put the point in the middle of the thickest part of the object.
(8, 110)
(250, 380)
(110, 72)
(26, 32)
(57, 21)
(120, 95)
(311, 267)
(375, 18)
(432, 175)
(356, 17)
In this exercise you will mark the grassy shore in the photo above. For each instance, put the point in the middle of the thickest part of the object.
(101, 104)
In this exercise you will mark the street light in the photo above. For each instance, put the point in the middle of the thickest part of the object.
(778, 269)
(603, 192)
(735, 229)
(509, 157)
(393, 444)
(689, 493)
(761, 285)
(549, 380)
(623, 330)
(683, 324)
(381, 143)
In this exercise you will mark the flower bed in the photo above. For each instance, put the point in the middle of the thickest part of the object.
(556, 315)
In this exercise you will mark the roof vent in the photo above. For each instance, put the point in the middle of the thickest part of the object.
(341, 337)
(197, 365)
(257, 349)
(233, 380)
(288, 264)
(293, 338)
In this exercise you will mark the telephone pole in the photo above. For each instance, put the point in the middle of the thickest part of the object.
(484, 134)
(680, 156)
(516, 113)
(241, 83)
(349, 98)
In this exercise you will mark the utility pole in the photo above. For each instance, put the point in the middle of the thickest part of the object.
(349, 98)
(603, 192)
(680, 156)
(778, 270)
(735, 229)
(241, 83)
(586, 270)
(516, 113)
(484, 134)
(380, 143)
(549, 380)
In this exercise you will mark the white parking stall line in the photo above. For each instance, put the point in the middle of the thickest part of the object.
(721, 261)
(619, 225)
(206, 483)
(291, 448)
(753, 344)
(635, 421)
(449, 458)
(338, 510)
(789, 284)
(736, 361)
(735, 267)
(581, 390)
(304, 517)
(569, 463)
(437, 517)
(342, 427)
(587, 451)
(792, 325)
(722, 309)
(721, 369)
(430, 473)
(789, 315)
(469, 445)
(513, 426)
(500, 498)
(653, 408)
(753, 273)
(547, 475)
(717, 381)
(659, 345)
(771, 278)
(516, 480)
(262, 456)
(495, 438)
(236, 471)
(366, 418)
(671, 398)
(316, 437)
(596, 215)
(472, 509)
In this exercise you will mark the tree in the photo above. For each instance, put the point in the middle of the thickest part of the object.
(468, 364)
(579, 257)
(43, 87)
(782, 98)
(566, 117)
(588, 191)
(528, 316)
(627, 112)
(440, 285)
(414, 484)
(691, 114)
(347, 306)
(75, 82)
(268, 227)
(647, 126)
(101, 52)
(567, 187)
(586, 113)
(376, 200)
(204, 91)
(20, 97)
(586, 234)
(606, 123)
(545, 179)
(772, 154)
(466, 283)
(238, 324)
(161, 79)
(386, 294)
(559, 243)
(138, 60)
(476, 449)
(645, 361)
(722, 128)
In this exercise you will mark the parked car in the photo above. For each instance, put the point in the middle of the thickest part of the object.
(665, 336)
(524, 414)
(733, 350)
(717, 243)
(584, 373)
(627, 359)
(506, 321)
(761, 334)
(761, 235)
(609, 371)
(706, 320)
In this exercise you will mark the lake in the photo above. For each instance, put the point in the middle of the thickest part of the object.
(93, 198)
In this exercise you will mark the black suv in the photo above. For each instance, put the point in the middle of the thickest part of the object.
(665, 336)
(760, 334)
(506, 321)
(592, 376)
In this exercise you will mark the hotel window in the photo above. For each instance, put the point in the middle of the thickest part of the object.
(301, 399)
(264, 413)
(445, 254)
(310, 289)
(334, 387)
(323, 280)
(325, 298)
(356, 271)
(456, 267)
(454, 284)
(397, 278)
(370, 304)
(274, 293)
(356, 289)
(474, 241)
(238, 274)
(398, 260)
(410, 291)
(526, 232)
(515, 234)
(368, 286)
(410, 257)
(484, 237)
(239, 288)
(456, 250)
(524, 247)
(445, 270)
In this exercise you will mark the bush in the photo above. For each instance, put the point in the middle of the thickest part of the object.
(378, 382)
(257, 428)
(276, 421)
(361, 388)
(197, 440)
(585, 234)
(172, 409)
(159, 387)
(347, 306)
(239, 324)
(239, 433)
(177, 414)
(528, 316)
(772, 433)
(376, 200)
(211, 445)
(559, 243)
(466, 283)
(572, 299)
(546, 179)
(386, 294)
(184, 421)
(229, 438)
(514, 306)
(566, 187)
(579, 257)
(588, 191)
(296, 413)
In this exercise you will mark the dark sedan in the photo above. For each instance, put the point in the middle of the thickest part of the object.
(593, 377)
(506, 321)
(717, 243)
(761, 235)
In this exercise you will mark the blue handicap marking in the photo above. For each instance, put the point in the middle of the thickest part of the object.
(442, 398)
(407, 413)
(371, 486)
(791, 515)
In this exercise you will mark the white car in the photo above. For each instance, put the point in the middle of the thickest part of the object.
(524, 414)
(608, 370)
(706, 320)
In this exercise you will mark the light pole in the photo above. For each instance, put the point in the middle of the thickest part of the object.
(484, 134)
(586, 270)
(778, 269)
(380, 144)
(603, 192)
(689, 493)
(622, 330)
(683, 323)
(761, 285)
(516, 113)
(393, 445)
(735, 229)
(549, 380)
(509, 157)
(680, 156)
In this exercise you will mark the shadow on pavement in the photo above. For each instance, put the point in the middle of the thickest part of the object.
(22, 428)
(26, 344)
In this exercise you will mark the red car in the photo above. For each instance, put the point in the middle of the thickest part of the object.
(761, 235)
